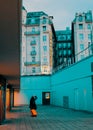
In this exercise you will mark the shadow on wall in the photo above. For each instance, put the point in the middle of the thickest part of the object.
(19, 98)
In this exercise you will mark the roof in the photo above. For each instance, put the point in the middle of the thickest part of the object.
(35, 14)
(87, 15)
(62, 32)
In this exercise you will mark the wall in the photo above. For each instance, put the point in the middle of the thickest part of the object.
(71, 87)
(32, 85)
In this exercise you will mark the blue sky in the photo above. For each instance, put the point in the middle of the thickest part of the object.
(63, 11)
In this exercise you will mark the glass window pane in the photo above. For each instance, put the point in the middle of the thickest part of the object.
(81, 47)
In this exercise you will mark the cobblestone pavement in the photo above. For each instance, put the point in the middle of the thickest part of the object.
(49, 118)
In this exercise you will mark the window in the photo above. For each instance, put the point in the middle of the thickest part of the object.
(59, 45)
(81, 36)
(44, 28)
(33, 41)
(60, 60)
(33, 29)
(88, 17)
(69, 45)
(80, 18)
(44, 20)
(64, 37)
(64, 45)
(33, 70)
(45, 70)
(33, 48)
(33, 59)
(32, 20)
(33, 38)
(45, 48)
(82, 56)
(60, 52)
(88, 26)
(64, 52)
(28, 21)
(68, 37)
(69, 60)
(45, 59)
(89, 36)
(44, 38)
(69, 52)
(89, 48)
(81, 47)
(80, 26)
(60, 38)
(64, 59)
(47, 95)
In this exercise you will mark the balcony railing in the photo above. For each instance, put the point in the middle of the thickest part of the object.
(32, 32)
(32, 63)
(33, 53)
(85, 53)
(33, 43)
(78, 57)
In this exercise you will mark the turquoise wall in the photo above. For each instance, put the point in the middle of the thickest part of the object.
(75, 83)
(70, 87)
(34, 85)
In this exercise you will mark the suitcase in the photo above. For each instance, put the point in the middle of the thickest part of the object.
(33, 112)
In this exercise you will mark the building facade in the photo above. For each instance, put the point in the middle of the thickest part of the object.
(52, 89)
(64, 53)
(82, 28)
(37, 43)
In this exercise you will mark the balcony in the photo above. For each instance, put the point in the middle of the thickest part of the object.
(32, 63)
(45, 63)
(33, 53)
(33, 43)
(32, 33)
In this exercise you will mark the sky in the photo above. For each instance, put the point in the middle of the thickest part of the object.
(63, 11)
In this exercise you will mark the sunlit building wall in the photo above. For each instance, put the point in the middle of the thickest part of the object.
(37, 43)
(23, 43)
(82, 33)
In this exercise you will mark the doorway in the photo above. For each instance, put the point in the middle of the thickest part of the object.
(76, 97)
(46, 98)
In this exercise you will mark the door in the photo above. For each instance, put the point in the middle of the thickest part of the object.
(46, 98)
(76, 95)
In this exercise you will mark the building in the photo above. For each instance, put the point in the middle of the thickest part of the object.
(82, 28)
(64, 53)
(9, 54)
(52, 89)
(38, 37)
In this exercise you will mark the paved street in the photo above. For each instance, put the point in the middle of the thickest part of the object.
(49, 118)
